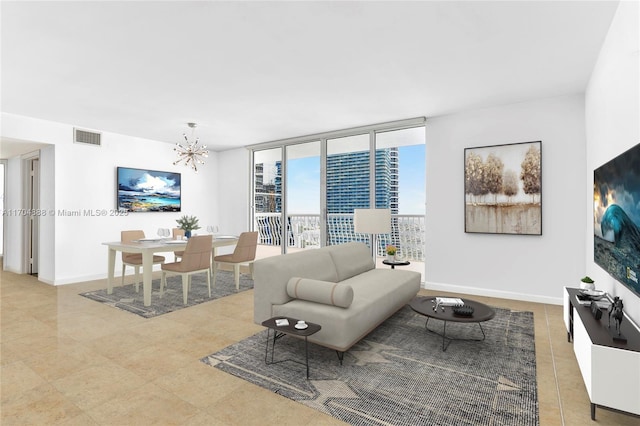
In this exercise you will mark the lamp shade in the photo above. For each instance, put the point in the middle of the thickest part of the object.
(372, 221)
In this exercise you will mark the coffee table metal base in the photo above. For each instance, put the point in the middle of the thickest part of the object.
(427, 306)
(281, 331)
(450, 339)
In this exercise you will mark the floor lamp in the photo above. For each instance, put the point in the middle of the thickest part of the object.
(373, 222)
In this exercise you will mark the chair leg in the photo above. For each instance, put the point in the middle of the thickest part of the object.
(185, 287)
(209, 282)
(163, 283)
(251, 269)
(236, 273)
(123, 266)
(213, 267)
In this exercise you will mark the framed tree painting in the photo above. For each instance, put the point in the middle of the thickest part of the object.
(503, 189)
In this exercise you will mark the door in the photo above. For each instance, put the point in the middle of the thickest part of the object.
(33, 220)
(302, 196)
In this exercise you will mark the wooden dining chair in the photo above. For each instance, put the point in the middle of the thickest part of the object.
(175, 233)
(195, 259)
(135, 259)
(245, 252)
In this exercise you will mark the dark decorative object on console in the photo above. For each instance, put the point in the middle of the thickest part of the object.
(141, 190)
(595, 310)
(615, 311)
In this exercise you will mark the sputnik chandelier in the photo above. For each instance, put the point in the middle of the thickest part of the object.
(191, 153)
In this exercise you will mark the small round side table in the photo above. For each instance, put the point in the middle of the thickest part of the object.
(395, 263)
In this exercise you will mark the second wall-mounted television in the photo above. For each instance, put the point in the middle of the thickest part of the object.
(142, 190)
(616, 232)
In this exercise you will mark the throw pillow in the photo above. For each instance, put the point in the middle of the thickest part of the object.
(324, 292)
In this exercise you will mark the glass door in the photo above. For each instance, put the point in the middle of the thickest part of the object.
(348, 185)
(302, 200)
(401, 186)
(267, 201)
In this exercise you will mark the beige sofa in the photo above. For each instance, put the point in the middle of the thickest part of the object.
(337, 287)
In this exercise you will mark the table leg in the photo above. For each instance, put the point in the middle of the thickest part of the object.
(306, 354)
(147, 273)
(273, 346)
(111, 266)
(444, 333)
(266, 348)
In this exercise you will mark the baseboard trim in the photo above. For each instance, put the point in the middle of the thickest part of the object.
(117, 276)
(492, 293)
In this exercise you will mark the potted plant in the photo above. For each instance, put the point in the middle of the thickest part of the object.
(587, 283)
(391, 253)
(188, 223)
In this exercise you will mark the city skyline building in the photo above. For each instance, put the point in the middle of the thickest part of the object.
(348, 181)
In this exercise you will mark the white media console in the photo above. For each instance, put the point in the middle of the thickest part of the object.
(610, 368)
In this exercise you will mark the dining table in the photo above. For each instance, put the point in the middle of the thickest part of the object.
(148, 247)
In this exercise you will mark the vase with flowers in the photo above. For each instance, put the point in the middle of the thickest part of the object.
(188, 223)
(391, 253)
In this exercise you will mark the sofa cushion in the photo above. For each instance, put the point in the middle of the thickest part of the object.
(324, 292)
(351, 259)
(377, 295)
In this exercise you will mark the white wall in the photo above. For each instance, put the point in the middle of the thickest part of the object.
(233, 189)
(511, 266)
(84, 178)
(12, 260)
(46, 242)
(613, 125)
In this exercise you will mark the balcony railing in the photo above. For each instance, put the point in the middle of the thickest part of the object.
(303, 231)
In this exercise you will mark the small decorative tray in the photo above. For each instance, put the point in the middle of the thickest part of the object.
(463, 311)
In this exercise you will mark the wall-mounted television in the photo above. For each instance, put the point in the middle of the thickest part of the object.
(142, 190)
(616, 231)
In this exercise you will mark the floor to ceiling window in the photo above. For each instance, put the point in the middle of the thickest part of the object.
(303, 195)
(400, 186)
(267, 196)
(348, 186)
(305, 190)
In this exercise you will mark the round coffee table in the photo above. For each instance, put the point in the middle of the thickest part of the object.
(425, 306)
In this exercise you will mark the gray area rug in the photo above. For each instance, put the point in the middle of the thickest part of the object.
(399, 375)
(126, 298)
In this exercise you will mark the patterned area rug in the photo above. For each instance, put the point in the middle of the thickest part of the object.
(399, 375)
(126, 298)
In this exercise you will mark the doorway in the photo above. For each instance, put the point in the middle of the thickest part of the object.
(32, 205)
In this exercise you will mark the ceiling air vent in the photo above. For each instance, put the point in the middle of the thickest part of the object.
(86, 137)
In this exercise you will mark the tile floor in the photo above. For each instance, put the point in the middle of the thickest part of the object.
(68, 360)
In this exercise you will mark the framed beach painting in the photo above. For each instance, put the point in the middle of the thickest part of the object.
(142, 190)
(503, 189)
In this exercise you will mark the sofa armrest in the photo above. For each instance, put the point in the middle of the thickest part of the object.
(271, 275)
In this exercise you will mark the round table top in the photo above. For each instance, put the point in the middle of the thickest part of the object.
(424, 306)
(396, 262)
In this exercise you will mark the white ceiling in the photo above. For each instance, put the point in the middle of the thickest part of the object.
(250, 72)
